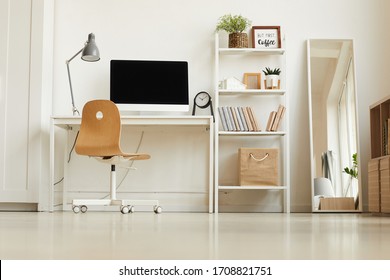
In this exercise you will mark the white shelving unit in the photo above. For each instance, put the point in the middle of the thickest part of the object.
(251, 97)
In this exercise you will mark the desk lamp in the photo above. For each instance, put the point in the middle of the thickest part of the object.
(90, 52)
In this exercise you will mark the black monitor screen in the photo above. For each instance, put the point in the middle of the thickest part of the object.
(149, 82)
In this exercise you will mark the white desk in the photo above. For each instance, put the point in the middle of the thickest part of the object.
(204, 121)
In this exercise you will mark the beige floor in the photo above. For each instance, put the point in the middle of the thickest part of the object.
(111, 235)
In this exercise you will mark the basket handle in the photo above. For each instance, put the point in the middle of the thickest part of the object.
(259, 159)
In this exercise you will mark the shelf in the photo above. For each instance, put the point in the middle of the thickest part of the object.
(252, 133)
(252, 92)
(244, 51)
(252, 187)
(232, 61)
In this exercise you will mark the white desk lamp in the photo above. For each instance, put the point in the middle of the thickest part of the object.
(322, 188)
(90, 53)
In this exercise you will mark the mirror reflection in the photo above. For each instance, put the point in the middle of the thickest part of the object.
(333, 125)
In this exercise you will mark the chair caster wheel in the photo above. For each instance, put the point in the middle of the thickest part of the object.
(76, 209)
(84, 208)
(157, 209)
(127, 209)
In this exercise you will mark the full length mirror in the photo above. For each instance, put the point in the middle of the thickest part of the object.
(334, 145)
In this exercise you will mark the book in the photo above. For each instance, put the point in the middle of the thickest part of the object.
(384, 138)
(278, 117)
(388, 137)
(271, 120)
(223, 119)
(254, 119)
(248, 120)
(238, 119)
(228, 118)
(234, 119)
(243, 119)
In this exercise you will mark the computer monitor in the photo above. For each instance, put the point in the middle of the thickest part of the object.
(145, 85)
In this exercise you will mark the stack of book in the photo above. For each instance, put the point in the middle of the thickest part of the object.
(386, 138)
(275, 118)
(238, 119)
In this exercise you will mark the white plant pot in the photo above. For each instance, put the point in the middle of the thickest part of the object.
(272, 81)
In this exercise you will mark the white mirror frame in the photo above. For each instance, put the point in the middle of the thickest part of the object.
(312, 167)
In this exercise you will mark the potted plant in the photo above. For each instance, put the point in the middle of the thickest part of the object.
(352, 172)
(235, 26)
(272, 78)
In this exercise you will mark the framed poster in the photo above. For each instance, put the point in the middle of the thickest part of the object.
(266, 37)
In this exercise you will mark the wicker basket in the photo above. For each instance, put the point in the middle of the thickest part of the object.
(238, 40)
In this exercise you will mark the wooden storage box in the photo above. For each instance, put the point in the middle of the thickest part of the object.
(384, 166)
(337, 203)
(373, 186)
(258, 167)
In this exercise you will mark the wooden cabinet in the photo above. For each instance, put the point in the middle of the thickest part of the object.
(373, 186)
(384, 167)
(379, 124)
(379, 165)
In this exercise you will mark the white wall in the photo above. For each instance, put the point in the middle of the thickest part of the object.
(183, 30)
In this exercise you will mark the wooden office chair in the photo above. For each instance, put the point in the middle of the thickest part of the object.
(99, 137)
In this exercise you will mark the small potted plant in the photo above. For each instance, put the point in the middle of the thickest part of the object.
(352, 172)
(272, 78)
(235, 26)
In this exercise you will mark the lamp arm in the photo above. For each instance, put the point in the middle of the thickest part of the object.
(74, 109)
(69, 60)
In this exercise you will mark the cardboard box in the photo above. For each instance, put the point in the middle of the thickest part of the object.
(337, 203)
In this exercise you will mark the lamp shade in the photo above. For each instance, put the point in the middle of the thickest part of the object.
(323, 186)
(90, 52)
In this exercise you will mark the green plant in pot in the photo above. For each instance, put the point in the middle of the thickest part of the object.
(235, 25)
(352, 172)
(272, 80)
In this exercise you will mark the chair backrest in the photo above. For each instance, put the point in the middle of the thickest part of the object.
(100, 129)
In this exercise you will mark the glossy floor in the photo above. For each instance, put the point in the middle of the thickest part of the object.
(111, 235)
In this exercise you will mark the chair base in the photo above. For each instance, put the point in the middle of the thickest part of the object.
(126, 205)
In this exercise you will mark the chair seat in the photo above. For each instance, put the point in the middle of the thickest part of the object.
(127, 156)
(122, 160)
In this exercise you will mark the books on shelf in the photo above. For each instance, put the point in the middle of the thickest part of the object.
(386, 138)
(238, 119)
(244, 119)
(275, 118)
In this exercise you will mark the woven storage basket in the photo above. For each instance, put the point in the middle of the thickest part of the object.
(258, 167)
(238, 40)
